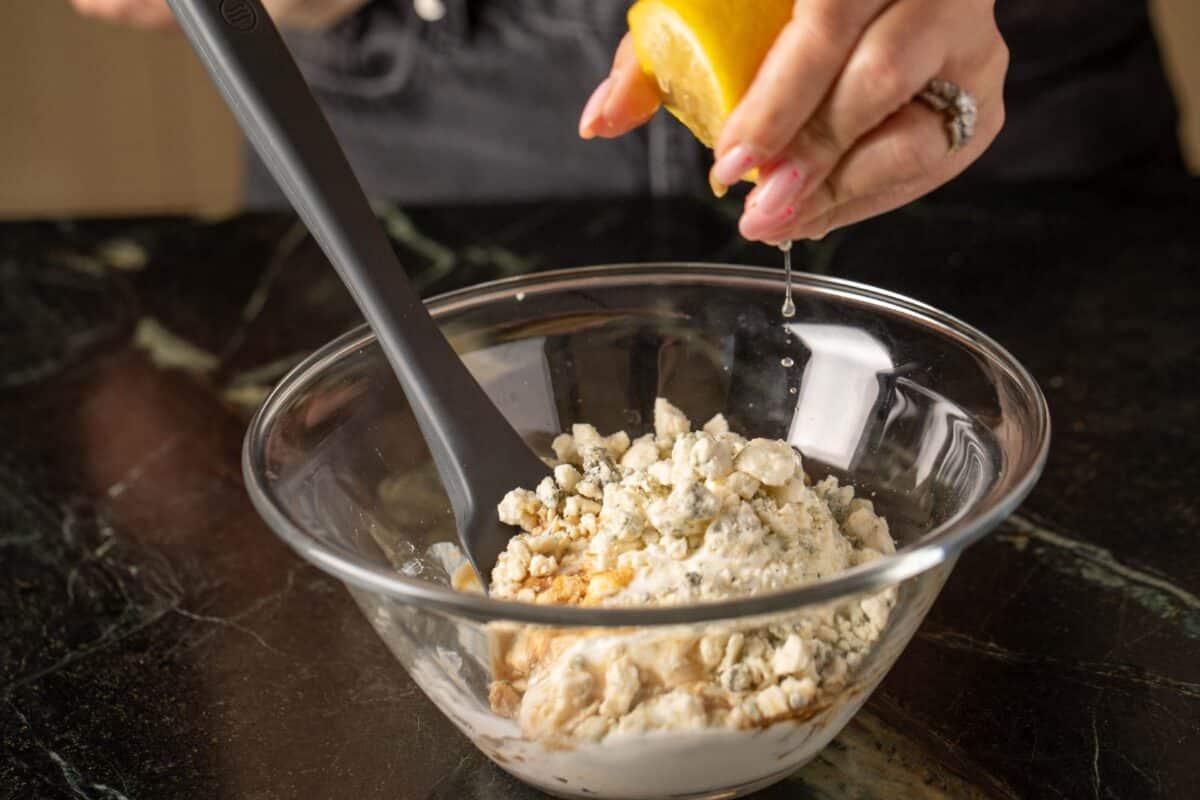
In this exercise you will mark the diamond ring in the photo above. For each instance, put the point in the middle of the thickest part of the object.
(958, 106)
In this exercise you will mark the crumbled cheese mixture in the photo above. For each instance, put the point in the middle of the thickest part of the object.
(679, 516)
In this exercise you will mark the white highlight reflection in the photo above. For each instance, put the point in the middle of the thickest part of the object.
(517, 378)
(838, 392)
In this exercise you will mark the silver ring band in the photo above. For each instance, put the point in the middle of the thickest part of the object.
(958, 106)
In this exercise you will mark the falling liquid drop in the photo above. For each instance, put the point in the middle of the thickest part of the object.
(792, 390)
(789, 306)
(787, 361)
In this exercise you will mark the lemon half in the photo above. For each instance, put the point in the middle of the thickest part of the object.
(703, 54)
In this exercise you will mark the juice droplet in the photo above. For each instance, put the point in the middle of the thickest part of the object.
(789, 306)
(792, 390)
(787, 361)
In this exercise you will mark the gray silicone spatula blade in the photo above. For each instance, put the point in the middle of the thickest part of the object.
(478, 454)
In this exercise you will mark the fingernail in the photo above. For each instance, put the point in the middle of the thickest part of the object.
(779, 188)
(730, 167)
(719, 189)
(592, 111)
(757, 224)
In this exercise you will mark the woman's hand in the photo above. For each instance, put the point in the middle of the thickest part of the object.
(155, 15)
(829, 118)
(147, 14)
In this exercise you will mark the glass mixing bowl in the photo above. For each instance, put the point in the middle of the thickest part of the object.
(932, 420)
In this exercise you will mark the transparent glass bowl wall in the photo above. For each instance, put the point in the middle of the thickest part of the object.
(941, 428)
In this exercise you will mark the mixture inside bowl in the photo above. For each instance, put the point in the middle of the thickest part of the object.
(679, 516)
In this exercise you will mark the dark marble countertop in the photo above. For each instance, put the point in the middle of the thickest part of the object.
(157, 641)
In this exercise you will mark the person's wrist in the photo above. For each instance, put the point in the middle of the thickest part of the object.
(311, 15)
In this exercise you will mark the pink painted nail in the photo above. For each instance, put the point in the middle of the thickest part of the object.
(779, 188)
(593, 109)
(731, 167)
(757, 224)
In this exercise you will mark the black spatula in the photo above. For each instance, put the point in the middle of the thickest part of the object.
(478, 454)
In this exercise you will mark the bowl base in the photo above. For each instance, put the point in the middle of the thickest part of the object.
(725, 793)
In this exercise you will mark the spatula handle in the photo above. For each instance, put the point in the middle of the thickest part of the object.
(251, 65)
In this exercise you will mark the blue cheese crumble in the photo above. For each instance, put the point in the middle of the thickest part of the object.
(679, 516)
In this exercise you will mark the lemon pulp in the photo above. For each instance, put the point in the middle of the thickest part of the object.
(703, 54)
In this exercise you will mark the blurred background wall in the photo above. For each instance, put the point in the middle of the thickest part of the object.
(102, 120)
(99, 119)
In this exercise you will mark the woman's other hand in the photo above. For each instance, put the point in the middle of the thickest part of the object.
(147, 14)
(156, 15)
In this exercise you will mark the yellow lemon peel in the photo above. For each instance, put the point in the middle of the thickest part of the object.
(704, 54)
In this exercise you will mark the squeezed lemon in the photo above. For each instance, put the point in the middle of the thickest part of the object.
(703, 54)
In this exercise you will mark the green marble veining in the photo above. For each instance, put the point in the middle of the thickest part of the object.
(79, 262)
(168, 350)
(123, 254)
(249, 388)
(1096, 674)
(871, 760)
(1100, 567)
(438, 260)
(253, 306)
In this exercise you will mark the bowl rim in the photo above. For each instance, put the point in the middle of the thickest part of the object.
(937, 546)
